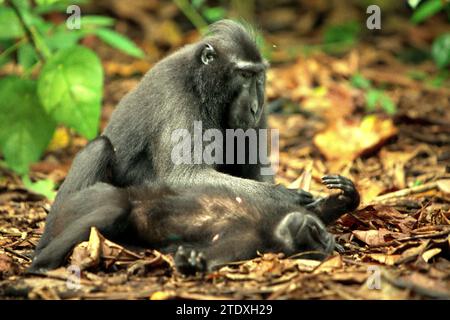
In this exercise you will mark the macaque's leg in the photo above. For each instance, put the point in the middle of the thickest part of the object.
(93, 164)
(110, 220)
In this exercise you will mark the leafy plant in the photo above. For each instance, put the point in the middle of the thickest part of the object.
(61, 83)
(374, 97)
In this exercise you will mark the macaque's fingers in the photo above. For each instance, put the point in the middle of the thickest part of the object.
(339, 179)
(340, 186)
(339, 182)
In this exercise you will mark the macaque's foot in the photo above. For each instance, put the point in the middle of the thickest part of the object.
(301, 232)
(189, 262)
(349, 195)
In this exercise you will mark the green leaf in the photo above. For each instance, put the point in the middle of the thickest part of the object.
(10, 26)
(27, 56)
(214, 14)
(63, 39)
(46, 2)
(426, 10)
(387, 104)
(118, 41)
(56, 6)
(372, 97)
(25, 127)
(441, 50)
(358, 81)
(44, 187)
(96, 21)
(70, 89)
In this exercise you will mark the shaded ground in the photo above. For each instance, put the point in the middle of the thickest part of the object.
(397, 244)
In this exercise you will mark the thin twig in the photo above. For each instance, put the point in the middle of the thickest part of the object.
(405, 192)
(17, 254)
(30, 31)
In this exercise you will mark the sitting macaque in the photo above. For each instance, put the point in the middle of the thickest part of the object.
(126, 184)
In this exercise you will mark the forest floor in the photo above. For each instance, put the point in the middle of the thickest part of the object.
(397, 243)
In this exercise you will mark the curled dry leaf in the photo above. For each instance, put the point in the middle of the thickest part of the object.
(387, 259)
(98, 248)
(330, 264)
(427, 255)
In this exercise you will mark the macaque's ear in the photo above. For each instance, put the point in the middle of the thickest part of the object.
(208, 54)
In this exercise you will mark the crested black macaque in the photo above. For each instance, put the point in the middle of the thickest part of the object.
(205, 226)
(219, 81)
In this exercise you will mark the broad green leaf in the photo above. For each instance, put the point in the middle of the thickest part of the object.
(120, 42)
(426, 10)
(25, 127)
(10, 26)
(44, 187)
(70, 89)
(358, 81)
(441, 50)
(27, 56)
